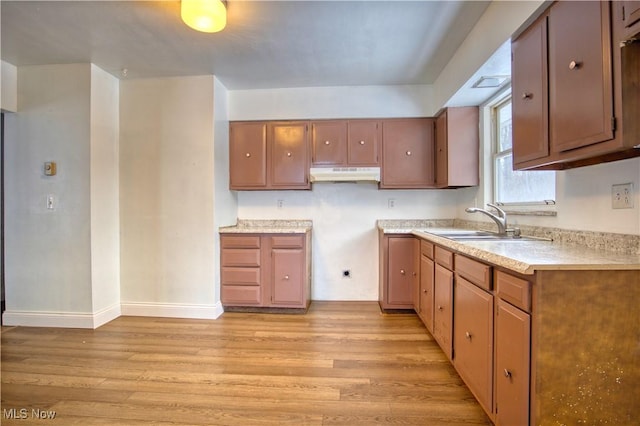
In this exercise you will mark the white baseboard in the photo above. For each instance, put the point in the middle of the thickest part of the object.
(172, 310)
(61, 319)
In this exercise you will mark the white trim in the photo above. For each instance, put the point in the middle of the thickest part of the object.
(172, 310)
(61, 319)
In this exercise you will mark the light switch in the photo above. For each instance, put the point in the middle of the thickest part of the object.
(50, 168)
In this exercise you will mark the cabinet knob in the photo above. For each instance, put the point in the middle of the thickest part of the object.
(526, 96)
(408, 153)
(467, 335)
(247, 155)
(327, 142)
(440, 308)
(425, 291)
(507, 373)
(288, 154)
(361, 142)
(574, 65)
(402, 271)
(414, 274)
(286, 277)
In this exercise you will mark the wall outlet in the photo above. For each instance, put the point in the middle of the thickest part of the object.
(391, 202)
(622, 196)
(280, 204)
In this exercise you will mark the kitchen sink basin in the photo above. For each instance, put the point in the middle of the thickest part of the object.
(470, 235)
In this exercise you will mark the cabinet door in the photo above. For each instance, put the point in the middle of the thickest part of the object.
(408, 153)
(442, 166)
(580, 74)
(287, 277)
(513, 340)
(363, 143)
(247, 155)
(443, 313)
(289, 155)
(402, 273)
(631, 16)
(426, 292)
(329, 143)
(530, 109)
(473, 339)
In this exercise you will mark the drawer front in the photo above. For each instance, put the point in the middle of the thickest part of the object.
(514, 290)
(444, 257)
(240, 276)
(287, 241)
(241, 257)
(476, 272)
(426, 248)
(240, 241)
(240, 295)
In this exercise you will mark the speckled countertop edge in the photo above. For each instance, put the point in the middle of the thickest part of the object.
(269, 226)
(528, 256)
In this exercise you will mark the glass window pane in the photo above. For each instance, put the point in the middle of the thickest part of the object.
(504, 126)
(522, 186)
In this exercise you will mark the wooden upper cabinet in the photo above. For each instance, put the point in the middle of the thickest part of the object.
(329, 142)
(248, 155)
(363, 143)
(289, 155)
(408, 153)
(345, 143)
(457, 147)
(530, 112)
(580, 74)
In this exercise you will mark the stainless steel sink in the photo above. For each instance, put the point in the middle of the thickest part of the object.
(470, 235)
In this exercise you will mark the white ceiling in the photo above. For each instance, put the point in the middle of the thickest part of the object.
(266, 44)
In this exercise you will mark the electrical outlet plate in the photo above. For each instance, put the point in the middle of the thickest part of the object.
(622, 196)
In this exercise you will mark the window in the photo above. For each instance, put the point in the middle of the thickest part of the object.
(515, 187)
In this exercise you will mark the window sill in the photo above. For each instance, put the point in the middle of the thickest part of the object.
(551, 213)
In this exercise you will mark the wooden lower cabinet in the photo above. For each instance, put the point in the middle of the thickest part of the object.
(443, 312)
(473, 339)
(513, 345)
(265, 270)
(399, 267)
(425, 306)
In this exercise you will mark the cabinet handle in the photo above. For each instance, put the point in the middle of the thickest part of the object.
(286, 277)
(402, 271)
(425, 291)
(361, 142)
(526, 96)
(467, 335)
(247, 155)
(288, 154)
(408, 153)
(440, 308)
(327, 142)
(507, 373)
(574, 65)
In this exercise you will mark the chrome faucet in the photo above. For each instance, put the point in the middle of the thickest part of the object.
(500, 218)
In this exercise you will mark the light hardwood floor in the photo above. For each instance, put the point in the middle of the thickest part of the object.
(341, 363)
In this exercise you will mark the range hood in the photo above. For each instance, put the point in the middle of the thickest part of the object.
(345, 174)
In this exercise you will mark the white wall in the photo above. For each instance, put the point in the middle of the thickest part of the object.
(105, 204)
(225, 204)
(167, 197)
(344, 215)
(48, 263)
(8, 87)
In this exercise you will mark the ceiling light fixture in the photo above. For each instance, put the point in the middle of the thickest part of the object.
(208, 16)
(488, 82)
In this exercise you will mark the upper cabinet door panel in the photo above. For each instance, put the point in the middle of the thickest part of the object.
(408, 153)
(248, 155)
(363, 142)
(631, 15)
(580, 74)
(530, 94)
(329, 142)
(289, 155)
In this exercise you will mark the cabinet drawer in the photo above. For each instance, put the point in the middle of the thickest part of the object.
(240, 295)
(514, 290)
(426, 248)
(288, 241)
(476, 272)
(444, 257)
(241, 257)
(240, 276)
(240, 241)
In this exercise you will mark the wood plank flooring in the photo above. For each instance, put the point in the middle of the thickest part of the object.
(341, 363)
